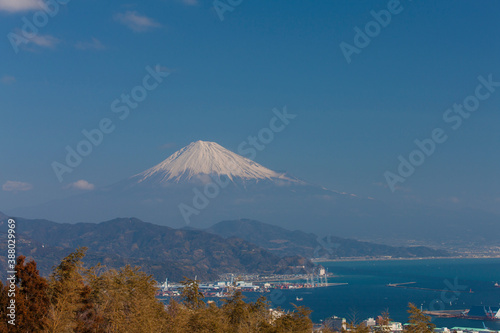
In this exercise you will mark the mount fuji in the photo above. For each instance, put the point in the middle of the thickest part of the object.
(204, 183)
(202, 158)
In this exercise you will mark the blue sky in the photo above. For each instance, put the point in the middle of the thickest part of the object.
(226, 76)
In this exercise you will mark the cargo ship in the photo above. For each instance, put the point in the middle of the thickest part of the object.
(484, 313)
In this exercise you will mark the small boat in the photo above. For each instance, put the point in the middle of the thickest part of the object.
(299, 298)
(496, 285)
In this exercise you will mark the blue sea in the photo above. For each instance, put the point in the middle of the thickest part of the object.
(367, 293)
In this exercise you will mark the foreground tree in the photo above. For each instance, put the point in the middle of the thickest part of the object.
(191, 294)
(358, 328)
(419, 322)
(234, 316)
(383, 322)
(236, 311)
(32, 301)
(124, 301)
(67, 292)
(295, 321)
(95, 300)
(355, 325)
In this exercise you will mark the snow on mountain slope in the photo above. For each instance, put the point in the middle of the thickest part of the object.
(206, 158)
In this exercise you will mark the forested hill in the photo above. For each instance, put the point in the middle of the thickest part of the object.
(284, 242)
(159, 250)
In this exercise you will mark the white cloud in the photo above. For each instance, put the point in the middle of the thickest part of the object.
(15, 186)
(44, 40)
(94, 44)
(14, 6)
(31, 43)
(8, 79)
(136, 21)
(81, 185)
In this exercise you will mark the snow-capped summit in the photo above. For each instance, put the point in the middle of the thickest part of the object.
(203, 158)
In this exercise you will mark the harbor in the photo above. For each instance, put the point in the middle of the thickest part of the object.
(253, 284)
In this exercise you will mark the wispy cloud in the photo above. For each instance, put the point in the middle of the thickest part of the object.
(31, 41)
(449, 200)
(14, 6)
(44, 40)
(136, 21)
(168, 145)
(15, 186)
(81, 185)
(397, 188)
(94, 44)
(8, 79)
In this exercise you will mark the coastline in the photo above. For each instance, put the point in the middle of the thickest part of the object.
(320, 260)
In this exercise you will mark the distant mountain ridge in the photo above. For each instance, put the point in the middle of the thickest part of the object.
(238, 246)
(161, 251)
(284, 242)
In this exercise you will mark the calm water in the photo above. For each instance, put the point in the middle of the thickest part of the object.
(367, 293)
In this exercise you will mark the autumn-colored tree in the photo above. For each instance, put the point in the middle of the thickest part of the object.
(4, 302)
(383, 323)
(125, 301)
(357, 328)
(236, 310)
(177, 316)
(209, 319)
(31, 300)
(191, 294)
(295, 321)
(66, 292)
(98, 300)
(354, 325)
(234, 316)
(418, 322)
(88, 319)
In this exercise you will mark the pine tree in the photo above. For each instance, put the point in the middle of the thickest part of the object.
(193, 298)
(236, 310)
(65, 293)
(125, 301)
(419, 322)
(295, 321)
